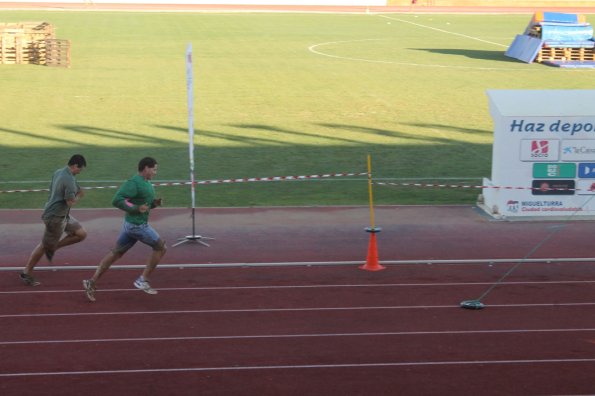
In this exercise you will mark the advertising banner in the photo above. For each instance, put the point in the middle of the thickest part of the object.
(543, 158)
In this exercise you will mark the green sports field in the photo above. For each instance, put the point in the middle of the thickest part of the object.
(276, 94)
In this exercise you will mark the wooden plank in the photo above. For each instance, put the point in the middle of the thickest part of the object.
(57, 53)
(566, 54)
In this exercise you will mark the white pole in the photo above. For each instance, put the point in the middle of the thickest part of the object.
(189, 88)
(190, 91)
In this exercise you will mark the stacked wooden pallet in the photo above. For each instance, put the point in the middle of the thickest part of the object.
(57, 52)
(566, 54)
(27, 43)
(557, 39)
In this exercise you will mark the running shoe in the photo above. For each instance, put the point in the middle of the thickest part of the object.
(29, 280)
(144, 286)
(89, 287)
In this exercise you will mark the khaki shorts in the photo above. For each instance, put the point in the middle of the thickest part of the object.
(55, 226)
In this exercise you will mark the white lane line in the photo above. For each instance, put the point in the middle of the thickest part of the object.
(275, 310)
(323, 286)
(304, 366)
(216, 311)
(294, 264)
(281, 336)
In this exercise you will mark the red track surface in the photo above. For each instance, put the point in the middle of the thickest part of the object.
(273, 235)
(315, 330)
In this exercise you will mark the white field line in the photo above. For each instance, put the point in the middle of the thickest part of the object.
(315, 49)
(277, 310)
(443, 31)
(283, 336)
(303, 366)
(323, 286)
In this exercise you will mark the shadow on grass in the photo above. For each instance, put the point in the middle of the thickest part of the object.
(119, 135)
(251, 155)
(451, 128)
(472, 54)
(409, 136)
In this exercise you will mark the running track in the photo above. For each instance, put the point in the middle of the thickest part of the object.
(306, 330)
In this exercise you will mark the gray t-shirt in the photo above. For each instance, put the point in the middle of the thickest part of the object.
(62, 188)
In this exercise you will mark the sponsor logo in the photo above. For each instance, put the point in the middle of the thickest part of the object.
(542, 203)
(553, 187)
(540, 150)
(558, 170)
(585, 187)
(578, 150)
(586, 170)
(547, 206)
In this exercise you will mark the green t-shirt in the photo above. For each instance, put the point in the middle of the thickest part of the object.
(62, 188)
(133, 193)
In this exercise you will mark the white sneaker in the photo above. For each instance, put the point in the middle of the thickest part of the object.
(89, 287)
(144, 286)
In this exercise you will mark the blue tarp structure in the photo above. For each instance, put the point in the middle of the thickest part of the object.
(555, 17)
(524, 48)
(555, 38)
(551, 32)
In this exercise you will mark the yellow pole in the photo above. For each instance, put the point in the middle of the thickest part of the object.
(372, 263)
(370, 192)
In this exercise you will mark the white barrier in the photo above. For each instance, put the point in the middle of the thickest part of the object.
(544, 140)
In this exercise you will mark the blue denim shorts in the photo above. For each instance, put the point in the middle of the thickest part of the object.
(132, 233)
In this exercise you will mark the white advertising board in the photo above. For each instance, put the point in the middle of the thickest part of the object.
(543, 158)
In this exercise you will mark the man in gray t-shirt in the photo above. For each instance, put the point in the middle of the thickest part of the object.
(64, 193)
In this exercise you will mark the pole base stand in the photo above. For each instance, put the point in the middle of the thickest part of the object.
(194, 238)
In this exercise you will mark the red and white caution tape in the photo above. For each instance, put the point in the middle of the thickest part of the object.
(479, 187)
(221, 181)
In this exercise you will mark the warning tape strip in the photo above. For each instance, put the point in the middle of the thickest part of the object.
(480, 187)
(221, 181)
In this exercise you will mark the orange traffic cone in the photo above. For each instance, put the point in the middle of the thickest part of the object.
(372, 259)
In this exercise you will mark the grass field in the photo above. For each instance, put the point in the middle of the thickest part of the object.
(276, 94)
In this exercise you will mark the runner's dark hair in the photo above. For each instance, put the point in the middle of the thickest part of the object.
(77, 160)
(147, 161)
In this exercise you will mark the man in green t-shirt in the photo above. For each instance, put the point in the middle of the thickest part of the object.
(136, 197)
(65, 192)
